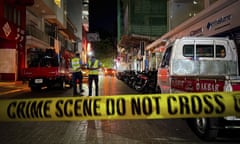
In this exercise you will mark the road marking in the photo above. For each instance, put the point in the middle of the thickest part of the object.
(9, 92)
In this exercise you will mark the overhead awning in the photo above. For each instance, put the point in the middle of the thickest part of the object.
(156, 44)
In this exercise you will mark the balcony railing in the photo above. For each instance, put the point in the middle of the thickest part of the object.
(37, 33)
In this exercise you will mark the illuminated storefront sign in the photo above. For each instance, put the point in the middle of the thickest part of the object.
(219, 21)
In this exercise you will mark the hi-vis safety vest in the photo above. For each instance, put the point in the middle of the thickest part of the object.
(76, 64)
(95, 65)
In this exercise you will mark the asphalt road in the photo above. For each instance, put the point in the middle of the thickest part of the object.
(160, 131)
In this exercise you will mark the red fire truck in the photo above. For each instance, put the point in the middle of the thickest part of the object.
(47, 69)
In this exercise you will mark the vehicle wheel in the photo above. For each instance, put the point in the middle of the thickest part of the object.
(62, 84)
(70, 84)
(49, 87)
(202, 127)
(137, 88)
(158, 90)
(133, 84)
(35, 88)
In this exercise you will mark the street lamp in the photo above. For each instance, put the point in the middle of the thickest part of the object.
(90, 53)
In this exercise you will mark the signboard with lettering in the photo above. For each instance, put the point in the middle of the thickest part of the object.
(197, 84)
(92, 37)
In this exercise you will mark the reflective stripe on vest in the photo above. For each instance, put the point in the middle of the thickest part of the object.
(75, 64)
(95, 65)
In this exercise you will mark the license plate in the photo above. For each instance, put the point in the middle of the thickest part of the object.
(38, 81)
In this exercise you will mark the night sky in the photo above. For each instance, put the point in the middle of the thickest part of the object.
(103, 17)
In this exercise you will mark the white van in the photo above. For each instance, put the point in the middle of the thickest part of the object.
(200, 64)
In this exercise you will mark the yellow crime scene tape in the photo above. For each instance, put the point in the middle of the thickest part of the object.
(122, 107)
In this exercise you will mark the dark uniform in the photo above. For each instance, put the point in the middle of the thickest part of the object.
(76, 74)
(93, 66)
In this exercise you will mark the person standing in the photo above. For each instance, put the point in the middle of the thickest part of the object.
(76, 65)
(93, 66)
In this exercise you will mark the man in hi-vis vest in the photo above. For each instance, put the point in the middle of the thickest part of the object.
(93, 66)
(76, 65)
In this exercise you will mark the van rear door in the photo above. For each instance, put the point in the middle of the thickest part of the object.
(163, 72)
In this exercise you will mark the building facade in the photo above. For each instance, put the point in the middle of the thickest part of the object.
(48, 26)
(85, 29)
(181, 10)
(141, 21)
(29, 27)
(218, 18)
(12, 38)
(143, 17)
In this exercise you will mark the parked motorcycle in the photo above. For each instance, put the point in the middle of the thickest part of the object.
(132, 79)
(141, 82)
(146, 82)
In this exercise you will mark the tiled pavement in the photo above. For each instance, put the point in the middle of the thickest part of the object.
(100, 132)
(89, 132)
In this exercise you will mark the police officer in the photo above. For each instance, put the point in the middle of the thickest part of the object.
(76, 65)
(93, 66)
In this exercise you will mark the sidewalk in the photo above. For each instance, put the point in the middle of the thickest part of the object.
(11, 87)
